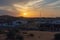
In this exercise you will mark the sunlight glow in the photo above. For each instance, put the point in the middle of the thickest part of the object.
(26, 11)
(24, 14)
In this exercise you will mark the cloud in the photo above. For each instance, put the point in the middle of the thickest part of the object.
(5, 12)
(10, 2)
(46, 3)
(6, 6)
(31, 3)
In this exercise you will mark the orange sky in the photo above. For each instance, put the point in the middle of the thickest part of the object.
(36, 11)
(30, 8)
(42, 12)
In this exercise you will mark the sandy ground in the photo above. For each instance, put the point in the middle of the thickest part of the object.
(38, 35)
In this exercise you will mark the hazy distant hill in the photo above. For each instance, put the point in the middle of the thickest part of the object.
(6, 18)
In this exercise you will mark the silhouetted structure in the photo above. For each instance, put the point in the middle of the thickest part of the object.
(57, 36)
(11, 35)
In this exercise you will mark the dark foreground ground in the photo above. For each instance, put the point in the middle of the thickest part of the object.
(13, 28)
(29, 35)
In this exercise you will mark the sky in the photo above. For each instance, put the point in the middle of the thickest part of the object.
(32, 8)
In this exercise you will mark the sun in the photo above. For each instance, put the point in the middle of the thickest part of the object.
(24, 14)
